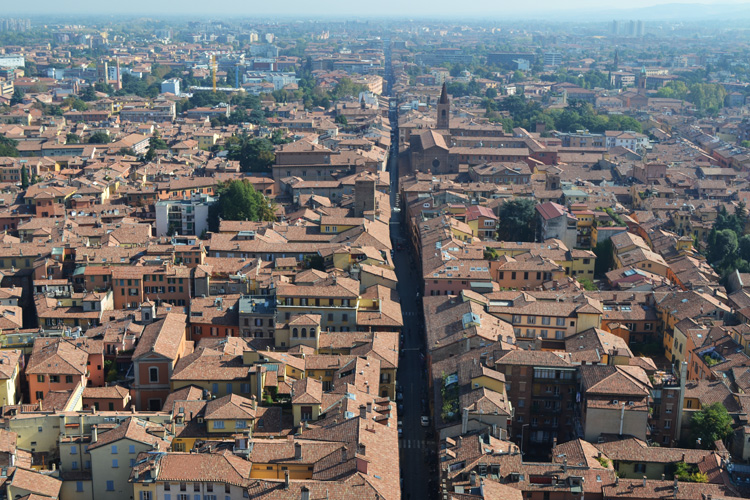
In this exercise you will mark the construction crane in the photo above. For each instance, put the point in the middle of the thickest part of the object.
(213, 71)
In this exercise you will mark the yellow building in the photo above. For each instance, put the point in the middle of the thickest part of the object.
(114, 453)
(9, 379)
(219, 374)
(307, 395)
(334, 299)
(206, 140)
(230, 414)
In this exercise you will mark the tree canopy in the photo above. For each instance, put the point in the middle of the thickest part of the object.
(99, 137)
(728, 245)
(713, 423)
(517, 220)
(8, 146)
(254, 155)
(238, 200)
(576, 116)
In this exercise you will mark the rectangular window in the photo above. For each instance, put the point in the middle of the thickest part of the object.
(114, 449)
(131, 448)
(110, 485)
(54, 379)
(560, 321)
(218, 424)
(115, 463)
(79, 486)
(74, 465)
(73, 449)
(68, 379)
(40, 378)
(153, 374)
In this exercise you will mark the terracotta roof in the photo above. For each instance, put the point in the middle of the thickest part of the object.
(36, 482)
(163, 337)
(134, 429)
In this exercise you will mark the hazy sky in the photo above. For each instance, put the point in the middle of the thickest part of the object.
(340, 8)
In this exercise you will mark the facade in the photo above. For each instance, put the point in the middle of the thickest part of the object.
(183, 217)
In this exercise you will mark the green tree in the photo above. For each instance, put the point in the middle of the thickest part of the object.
(156, 142)
(17, 97)
(587, 284)
(517, 220)
(238, 200)
(99, 137)
(89, 94)
(72, 139)
(713, 423)
(75, 104)
(341, 119)
(605, 259)
(254, 155)
(24, 177)
(8, 147)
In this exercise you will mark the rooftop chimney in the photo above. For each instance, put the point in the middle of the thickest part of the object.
(473, 478)
(369, 407)
(362, 411)
(644, 481)
(343, 454)
(94, 434)
(286, 479)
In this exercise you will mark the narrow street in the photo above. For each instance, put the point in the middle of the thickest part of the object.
(416, 444)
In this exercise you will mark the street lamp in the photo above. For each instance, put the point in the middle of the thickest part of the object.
(522, 427)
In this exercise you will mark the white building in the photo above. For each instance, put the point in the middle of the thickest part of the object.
(552, 59)
(171, 86)
(184, 217)
(12, 61)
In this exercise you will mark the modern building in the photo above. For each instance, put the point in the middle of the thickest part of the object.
(183, 217)
(171, 86)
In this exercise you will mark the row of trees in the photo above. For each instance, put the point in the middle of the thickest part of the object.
(577, 116)
(707, 97)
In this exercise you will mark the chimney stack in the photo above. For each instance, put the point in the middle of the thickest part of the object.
(473, 478)
(94, 434)
(286, 479)
(644, 481)
(565, 464)
(343, 454)
(362, 411)
(465, 421)
(369, 407)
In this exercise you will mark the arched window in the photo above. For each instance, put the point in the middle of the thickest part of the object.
(443, 113)
(304, 333)
(294, 332)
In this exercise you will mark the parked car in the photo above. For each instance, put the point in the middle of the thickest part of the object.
(425, 421)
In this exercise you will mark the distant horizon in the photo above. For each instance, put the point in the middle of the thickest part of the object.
(597, 11)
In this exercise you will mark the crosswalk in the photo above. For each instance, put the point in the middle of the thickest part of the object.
(409, 313)
(413, 443)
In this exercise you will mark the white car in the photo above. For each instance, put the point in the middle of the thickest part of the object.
(425, 421)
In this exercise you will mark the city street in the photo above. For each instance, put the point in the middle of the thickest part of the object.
(416, 445)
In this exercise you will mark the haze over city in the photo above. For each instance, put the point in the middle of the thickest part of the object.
(390, 251)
